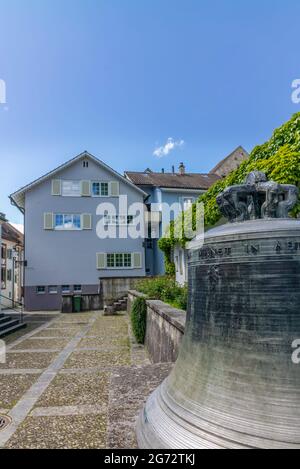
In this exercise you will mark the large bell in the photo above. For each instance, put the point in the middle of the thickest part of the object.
(236, 383)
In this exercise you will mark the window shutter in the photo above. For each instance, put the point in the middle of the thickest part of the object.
(101, 260)
(85, 188)
(48, 221)
(114, 189)
(86, 221)
(137, 260)
(56, 187)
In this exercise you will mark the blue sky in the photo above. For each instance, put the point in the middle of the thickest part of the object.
(120, 77)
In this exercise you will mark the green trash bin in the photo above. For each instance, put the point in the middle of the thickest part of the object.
(77, 303)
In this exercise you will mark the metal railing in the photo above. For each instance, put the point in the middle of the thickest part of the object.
(16, 306)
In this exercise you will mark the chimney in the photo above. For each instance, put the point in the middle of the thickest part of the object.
(173, 169)
(181, 169)
(163, 170)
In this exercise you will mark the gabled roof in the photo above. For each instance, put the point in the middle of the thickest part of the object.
(173, 180)
(10, 233)
(18, 197)
(240, 152)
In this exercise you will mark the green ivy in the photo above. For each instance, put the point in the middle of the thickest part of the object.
(139, 319)
(279, 158)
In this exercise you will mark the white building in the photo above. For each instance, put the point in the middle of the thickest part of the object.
(11, 265)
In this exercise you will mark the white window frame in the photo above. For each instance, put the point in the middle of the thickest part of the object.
(53, 292)
(40, 292)
(77, 290)
(100, 188)
(71, 193)
(65, 291)
(123, 266)
(115, 220)
(185, 199)
(62, 227)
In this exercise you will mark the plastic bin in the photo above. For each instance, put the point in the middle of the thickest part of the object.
(77, 303)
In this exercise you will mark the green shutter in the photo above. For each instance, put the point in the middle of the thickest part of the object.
(56, 187)
(137, 260)
(86, 188)
(48, 221)
(101, 260)
(114, 189)
(86, 221)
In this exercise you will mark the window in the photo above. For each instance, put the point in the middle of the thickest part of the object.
(9, 254)
(67, 222)
(40, 290)
(119, 260)
(3, 278)
(77, 288)
(3, 266)
(85, 164)
(100, 189)
(65, 289)
(52, 289)
(9, 276)
(118, 220)
(71, 189)
(187, 202)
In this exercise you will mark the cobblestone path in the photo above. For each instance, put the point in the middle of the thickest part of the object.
(75, 381)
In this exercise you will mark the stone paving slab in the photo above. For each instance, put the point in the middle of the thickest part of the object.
(95, 409)
(37, 343)
(129, 389)
(21, 371)
(57, 333)
(95, 341)
(12, 388)
(96, 358)
(68, 390)
(87, 395)
(61, 432)
(32, 360)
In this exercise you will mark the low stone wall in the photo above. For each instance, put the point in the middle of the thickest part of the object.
(113, 289)
(165, 328)
(88, 303)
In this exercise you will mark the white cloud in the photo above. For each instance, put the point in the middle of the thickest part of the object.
(164, 150)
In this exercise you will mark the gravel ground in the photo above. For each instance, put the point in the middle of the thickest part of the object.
(92, 397)
(42, 344)
(80, 389)
(28, 360)
(13, 387)
(61, 432)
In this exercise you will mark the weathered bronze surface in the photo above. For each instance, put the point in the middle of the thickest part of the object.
(235, 384)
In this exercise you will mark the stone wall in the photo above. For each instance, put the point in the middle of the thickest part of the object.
(165, 329)
(113, 289)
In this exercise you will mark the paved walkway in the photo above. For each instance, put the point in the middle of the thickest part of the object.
(75, 381)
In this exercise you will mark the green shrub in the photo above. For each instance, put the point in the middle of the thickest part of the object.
(165, 289)
(138, 319)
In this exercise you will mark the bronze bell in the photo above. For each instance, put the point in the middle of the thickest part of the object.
(236, 383)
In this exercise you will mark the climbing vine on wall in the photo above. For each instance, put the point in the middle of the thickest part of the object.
(279, 158)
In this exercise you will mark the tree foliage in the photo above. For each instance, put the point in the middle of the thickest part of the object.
(279, 158)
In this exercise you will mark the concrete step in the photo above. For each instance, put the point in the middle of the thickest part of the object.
(12, 329)
(8, 324)
(4, 319)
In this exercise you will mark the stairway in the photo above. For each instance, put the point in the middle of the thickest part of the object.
(119, 305)
(8, 325)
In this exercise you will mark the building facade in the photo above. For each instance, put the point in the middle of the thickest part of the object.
(168, 195)
(75, 233)
(12, 246)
